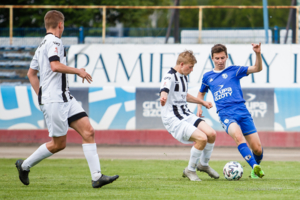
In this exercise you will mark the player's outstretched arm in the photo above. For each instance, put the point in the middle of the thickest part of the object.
(34, 80)
(258, 63)
(56, 66)
(192, 99)
(163, 98)
(200, 111)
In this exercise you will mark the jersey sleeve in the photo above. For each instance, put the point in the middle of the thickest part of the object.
(54, 48)
(166, 83)
(204, 86)
(34, 64)
(241, 72)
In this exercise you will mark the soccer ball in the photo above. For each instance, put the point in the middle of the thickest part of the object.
(233, 171)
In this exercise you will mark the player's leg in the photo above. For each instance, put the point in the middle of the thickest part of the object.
(255, 144)
(200, 140)
(235, 132)
(203, 165)
(250, 133)
(84, 128)
(57, 127)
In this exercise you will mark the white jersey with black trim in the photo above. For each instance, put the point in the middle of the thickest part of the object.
(54, 86)
(176, 85)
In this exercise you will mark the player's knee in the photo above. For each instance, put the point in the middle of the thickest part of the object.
(60, 146)
(201, 138)
(257, 150)
(211, 134)
(90, 132)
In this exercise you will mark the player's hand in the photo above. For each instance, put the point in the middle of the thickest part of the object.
(84, 75)
(256, 47)
(207, 104)
(163, 100)
(199, 112)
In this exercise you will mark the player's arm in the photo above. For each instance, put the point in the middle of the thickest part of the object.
(200, 96)
(34, 80)
(57, 66)
(192, 99)
(163, 98)
(258, 63)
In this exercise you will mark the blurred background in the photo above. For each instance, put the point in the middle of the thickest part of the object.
(128, 49)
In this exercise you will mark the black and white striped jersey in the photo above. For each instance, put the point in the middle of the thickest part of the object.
(176, 85)
(53, 85)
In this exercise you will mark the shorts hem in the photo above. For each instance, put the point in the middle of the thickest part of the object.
(76, 117)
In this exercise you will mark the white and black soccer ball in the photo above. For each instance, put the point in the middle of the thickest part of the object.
(233, 171)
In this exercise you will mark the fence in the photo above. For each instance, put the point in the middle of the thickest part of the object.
(200, 8)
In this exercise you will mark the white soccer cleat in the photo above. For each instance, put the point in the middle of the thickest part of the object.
(207, 169)
(190, 174)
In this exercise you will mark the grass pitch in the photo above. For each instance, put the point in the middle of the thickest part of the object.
(146, 179)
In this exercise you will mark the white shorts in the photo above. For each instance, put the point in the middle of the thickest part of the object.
(182, 130)
(59, 115)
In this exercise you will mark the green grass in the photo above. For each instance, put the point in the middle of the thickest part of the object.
(146, 179)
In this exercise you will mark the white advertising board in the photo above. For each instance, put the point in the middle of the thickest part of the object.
(145, 65)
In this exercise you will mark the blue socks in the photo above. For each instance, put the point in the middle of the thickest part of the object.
(259, 158)
(247, 154)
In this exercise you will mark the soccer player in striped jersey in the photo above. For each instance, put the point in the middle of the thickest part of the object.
(224, 83)
(60, 108)
(181, 123)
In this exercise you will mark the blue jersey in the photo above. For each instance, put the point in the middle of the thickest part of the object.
(225, 86)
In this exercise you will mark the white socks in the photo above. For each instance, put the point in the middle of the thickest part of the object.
(41, 153)
(194, 159)
(207, 151)
(91, 155)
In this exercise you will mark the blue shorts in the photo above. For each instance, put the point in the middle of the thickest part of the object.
(240, 115)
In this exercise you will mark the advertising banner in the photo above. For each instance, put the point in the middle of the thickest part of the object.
(148, 109)
(145, 65)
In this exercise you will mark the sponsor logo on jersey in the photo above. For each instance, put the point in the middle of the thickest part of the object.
(42, 43)
(224, 76)
(222, 93)
(56, 43)
(256, 108)
(211, 79)
(152, 108)
(247, 157)
(165, 83)
(226, 121)
(55, 51)
(167, 78)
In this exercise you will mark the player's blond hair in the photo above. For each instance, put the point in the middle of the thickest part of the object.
(52, 18)
(186, 57)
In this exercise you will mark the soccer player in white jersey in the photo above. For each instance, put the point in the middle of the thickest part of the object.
(60, 109)
(181, 123)
(224, 83)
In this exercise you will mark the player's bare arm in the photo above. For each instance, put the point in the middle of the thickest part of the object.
(200, 96)
(192, 99)
(57, 66)
(258, 63)
(34, 80)
(163, 98)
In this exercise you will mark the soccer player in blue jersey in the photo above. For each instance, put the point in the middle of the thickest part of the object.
(224, 84)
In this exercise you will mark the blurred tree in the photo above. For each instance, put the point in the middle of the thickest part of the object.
(212, 18)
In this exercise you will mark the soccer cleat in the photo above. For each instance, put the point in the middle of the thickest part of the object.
(104, 180)
(253, 175)
(258, 171)
(207, 169)
(23, 175)
(190, 174)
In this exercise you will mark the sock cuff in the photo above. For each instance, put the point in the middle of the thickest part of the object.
(242, 145)
(48, 153)
(89, 147)
(209, 145)
(197, 151)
